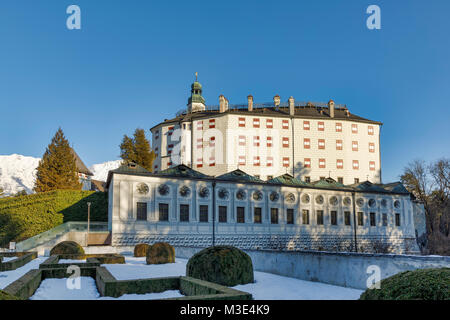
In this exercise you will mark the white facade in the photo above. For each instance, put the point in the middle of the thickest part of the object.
(137, 208)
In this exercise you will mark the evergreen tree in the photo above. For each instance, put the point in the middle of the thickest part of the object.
(57, 169)
(137, 150)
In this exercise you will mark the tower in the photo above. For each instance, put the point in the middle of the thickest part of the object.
(196, 102)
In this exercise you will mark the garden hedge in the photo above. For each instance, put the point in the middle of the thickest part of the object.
(26, 216)
(159, 253)
(140, 250)
(225, 265)
(67, 247)
(421, 284)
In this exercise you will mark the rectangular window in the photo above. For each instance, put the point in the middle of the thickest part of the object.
(256, 123)
(321, 163)
(257, 215)
(169, 148)
(347, 218)
(269, 177)
(240, 214)
(338, 144)
(256, 161)
(355, 164)
(163, 212)
(338, 127)
(269, 141)
(372, 165)
(397, 219)
(199, 143)
(170, 130)
(321, 126)
(307, 163)
(307, 179)
(373, 221)
(305, 216)
(141, 211)
(184, 212)
(285, 142)
(203, 213)
(212, 142)
(354, 128)
(269, 161)
(199, 162)
(242, 140)
(340, 164)
(222, 214)
(360, 218)
(355, 145)
(212, 123)
(242, 122)
(285, 162)
(269, 123)
(341, 180)
(157, 135)
(321, 143)
(256, 141)
(356, 180)
(333, 218)
(306, 143)
(212, 161)
(200, 125)
(285, 124)
(319, 217)
(290, 216)
(306, 125)
(242, 160)
(385, 222)
(371, 147)
(274, 215)
(370, 130)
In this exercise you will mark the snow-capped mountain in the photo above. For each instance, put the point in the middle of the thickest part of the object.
(18, 172)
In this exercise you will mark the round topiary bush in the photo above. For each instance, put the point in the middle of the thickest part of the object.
(67, 247)
(225, 265)
(421, 284)
(159, 253)
(140, 250)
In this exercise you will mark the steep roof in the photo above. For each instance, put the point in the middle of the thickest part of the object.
(396, 187)
(287, 179)
(130, 167)
(182, 171)
(81, 167)
(329, 183)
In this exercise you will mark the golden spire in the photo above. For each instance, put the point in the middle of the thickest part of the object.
(196, 76)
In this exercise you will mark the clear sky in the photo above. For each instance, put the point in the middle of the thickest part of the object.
(132, 63)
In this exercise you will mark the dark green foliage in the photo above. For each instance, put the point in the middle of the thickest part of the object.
(140, 250)
(67, 247)
(159, 253)
(26, 216)
(20, 193)
(57, 170)
(225, 265)
(137, 150)
(421, 284)
(7, 296)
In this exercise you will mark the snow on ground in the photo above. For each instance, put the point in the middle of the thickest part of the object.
(6, 259)
(71, 261)
(8, 277)
(101, 170)
(136, 268)
(57, 289)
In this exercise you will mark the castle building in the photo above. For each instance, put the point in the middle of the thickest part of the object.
(309, 141)
(291, 176)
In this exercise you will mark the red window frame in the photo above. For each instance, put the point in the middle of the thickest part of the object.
(256, 141)
(286, 162)
(321, 126)
(372, 165)
(241, 122)
(285, 142)
(338, 126)
(269, 123)
(212, 141)
(339, 164)
(269, 161)
(371, 147)
(200, 125)
(269, 142)
(241, 140)
(170, 130)
(337, 144)
(354, 128)
(322, 163)
(321, 143)
(307, 162)
(355, 164)
(256, 123)
(355, 146)
(306, 125)
(241, 160)
(285, 124)
(256, 161)
(306, 143)
(212, 123)
(370, 130)
(199, 143)
(212, 161)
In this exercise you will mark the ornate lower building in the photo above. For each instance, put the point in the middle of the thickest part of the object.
(185, 207)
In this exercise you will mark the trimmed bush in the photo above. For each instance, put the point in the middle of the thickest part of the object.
(225, 265)
(26, 216)
(159, 253)
(67, 247)
(140, 250)
(7, 296)
(421, 284)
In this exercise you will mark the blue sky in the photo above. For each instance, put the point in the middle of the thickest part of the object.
(132, 63)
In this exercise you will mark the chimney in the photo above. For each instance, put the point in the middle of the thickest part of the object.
(250, 102)
(276, 100)
(223, 104)
(347, 113)
(331, 108)
(291, 106)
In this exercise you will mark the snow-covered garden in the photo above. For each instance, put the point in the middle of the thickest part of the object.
(266, 286)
